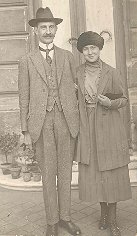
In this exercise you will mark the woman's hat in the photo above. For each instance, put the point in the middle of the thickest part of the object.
(89, 38)
(44, 15)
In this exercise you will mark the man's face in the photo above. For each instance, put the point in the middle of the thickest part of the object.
(91, 53)
(46, 31)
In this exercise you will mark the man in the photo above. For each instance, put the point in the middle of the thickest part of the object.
(50, 117)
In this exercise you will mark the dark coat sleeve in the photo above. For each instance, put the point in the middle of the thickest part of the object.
(118, 88)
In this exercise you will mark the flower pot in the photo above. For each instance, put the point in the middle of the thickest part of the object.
(26, 176)
(24, 169)
(32, 167)
(5, 168)
(15, 172)
(36, 176)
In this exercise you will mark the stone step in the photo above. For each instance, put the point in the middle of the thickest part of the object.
(6, 181)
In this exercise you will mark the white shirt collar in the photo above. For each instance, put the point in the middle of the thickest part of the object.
(45, 46)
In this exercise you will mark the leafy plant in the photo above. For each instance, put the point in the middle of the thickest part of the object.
(26, 156)
(8, 143)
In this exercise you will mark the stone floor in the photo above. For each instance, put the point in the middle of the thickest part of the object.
(22, 213)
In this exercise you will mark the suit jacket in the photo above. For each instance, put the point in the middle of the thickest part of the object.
(110, 135)
(33, 91)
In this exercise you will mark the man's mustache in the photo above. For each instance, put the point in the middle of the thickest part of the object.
(48, 35)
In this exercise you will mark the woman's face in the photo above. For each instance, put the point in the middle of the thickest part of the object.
(91, 53)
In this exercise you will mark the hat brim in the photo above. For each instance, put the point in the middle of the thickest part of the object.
(33, 22)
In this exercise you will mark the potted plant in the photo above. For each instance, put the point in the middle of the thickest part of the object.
(26, 174)
(33, 165)
(8, 144)
(22, 160)
(36, 174)
(15, 169)
(29, 164)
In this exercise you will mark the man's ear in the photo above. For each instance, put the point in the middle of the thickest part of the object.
(36, 30)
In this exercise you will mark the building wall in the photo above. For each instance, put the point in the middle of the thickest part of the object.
(61, 10)
(99, 17)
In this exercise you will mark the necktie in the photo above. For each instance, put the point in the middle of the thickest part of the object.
(48, 58)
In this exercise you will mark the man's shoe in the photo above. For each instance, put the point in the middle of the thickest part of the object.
(52, 230)
(70, 227)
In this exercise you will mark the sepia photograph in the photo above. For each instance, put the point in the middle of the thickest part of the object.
(68, 117)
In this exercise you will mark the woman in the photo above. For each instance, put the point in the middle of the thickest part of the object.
(102, 143)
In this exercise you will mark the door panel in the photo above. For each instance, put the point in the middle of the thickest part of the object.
(13, 2)
(13, 20)
(8, 78)
(12, 48)
(10, 103)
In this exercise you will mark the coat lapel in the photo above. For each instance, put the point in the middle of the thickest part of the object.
(59, 60)
(103, 78)
(36, 59)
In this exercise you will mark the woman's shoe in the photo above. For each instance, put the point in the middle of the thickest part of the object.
(52, 230)
(114, 229)
(103, 223)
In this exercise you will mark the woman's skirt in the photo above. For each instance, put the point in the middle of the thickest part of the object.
(102, 186)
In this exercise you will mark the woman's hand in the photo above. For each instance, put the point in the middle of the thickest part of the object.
(104, 101)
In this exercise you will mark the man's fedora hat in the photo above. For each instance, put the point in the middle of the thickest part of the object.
(44, 15)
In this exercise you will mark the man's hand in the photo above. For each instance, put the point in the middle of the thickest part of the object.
(104, 101)
(27, 140)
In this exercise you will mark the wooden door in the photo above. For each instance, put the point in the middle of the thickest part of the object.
(15, 40)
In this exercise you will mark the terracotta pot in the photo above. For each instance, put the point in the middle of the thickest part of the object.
(5, 168)
(36, 176)
(32, 167)
(26, 176)
(15, 172)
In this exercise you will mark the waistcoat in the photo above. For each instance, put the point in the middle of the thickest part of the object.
(53, 95)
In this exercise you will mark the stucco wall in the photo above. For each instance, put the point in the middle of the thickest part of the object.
(99, 17)
(60, 8)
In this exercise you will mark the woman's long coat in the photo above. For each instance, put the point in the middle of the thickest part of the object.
(110, 135)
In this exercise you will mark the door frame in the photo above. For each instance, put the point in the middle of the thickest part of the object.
(78, 25)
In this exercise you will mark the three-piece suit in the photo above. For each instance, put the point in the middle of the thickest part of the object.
(49, 111)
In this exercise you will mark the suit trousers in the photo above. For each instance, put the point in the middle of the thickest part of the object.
(55, 151)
